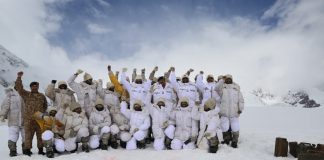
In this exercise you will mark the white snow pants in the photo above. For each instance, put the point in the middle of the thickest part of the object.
(177, 144)
(14, 133)
(227, 122)
(70, 143)
(137, 136)
(95, 139)
(59, 143)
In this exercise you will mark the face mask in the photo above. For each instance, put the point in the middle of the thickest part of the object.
(161, 105)
(228, 81)
(63, 86)
(52, 113)
(184, 104)
(78, 110)
(137, 108)
(138, 81)
(89, 82)
(206, 109)
(185, 80)
(99, 108)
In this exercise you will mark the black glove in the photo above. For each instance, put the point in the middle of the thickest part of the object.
(54, 81)
(187, 141)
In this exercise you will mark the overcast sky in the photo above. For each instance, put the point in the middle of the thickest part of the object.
(277, 45)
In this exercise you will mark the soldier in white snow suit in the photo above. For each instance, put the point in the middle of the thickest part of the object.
(11, 109)
(99, 126)
(139, 124)
(232, 105)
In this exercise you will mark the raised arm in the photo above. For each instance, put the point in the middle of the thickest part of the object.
(199, 82)
(19, 86)
(113, 78)
(49, 91)
(125, 83)
(152, 74)
(71, 81)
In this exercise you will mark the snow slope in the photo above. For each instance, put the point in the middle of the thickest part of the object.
(259, 128)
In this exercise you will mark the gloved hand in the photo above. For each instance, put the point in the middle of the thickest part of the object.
(20, 74)
(109, 68)
(165, 124)
(2, 119)
(239, 111)
(143, 70)
(79, 71)
(135, 130)
(207, 135)
(124, 70)
(201, 72)
(134, 70)
(191, 70)
(172, 69)
(156, 68)
(54, 81)
(95, 129)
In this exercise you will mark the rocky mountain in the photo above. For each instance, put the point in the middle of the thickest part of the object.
(9, 65)
(293, 98)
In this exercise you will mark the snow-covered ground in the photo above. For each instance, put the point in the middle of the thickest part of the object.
(259, 128)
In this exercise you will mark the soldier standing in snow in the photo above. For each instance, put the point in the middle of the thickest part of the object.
(11, 108)
(34, 101)
(232, 105)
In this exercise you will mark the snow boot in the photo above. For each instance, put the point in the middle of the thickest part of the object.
(167, 143)
(123, 144)
(27, 152)
(113, 142)
(85, 145)
(13, 148)
(213, 145)
(227, 136)
(104, 141)
(235, 139)
(141, 144)
(49, 149)
(41, 151)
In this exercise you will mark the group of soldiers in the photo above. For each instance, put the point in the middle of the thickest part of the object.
(172, 112)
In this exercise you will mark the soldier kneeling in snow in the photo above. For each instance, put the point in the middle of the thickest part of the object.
(99, 124)
(76, 128)
(186, 130)
(163, 129)
(210, 133)
(139, 123)
(11, 108)
(52, 131)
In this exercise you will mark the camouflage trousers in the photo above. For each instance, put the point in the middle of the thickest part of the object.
(31, 127)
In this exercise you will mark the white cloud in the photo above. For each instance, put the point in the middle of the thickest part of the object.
(287, 56)
(97, 29)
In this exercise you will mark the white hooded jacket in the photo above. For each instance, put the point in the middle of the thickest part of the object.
(86, 93)
(99, 119)
(185, 121)
(232, 101)
(12, 107)
(59, 96)
(188, 90)
(159, 117)
(137, 119)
